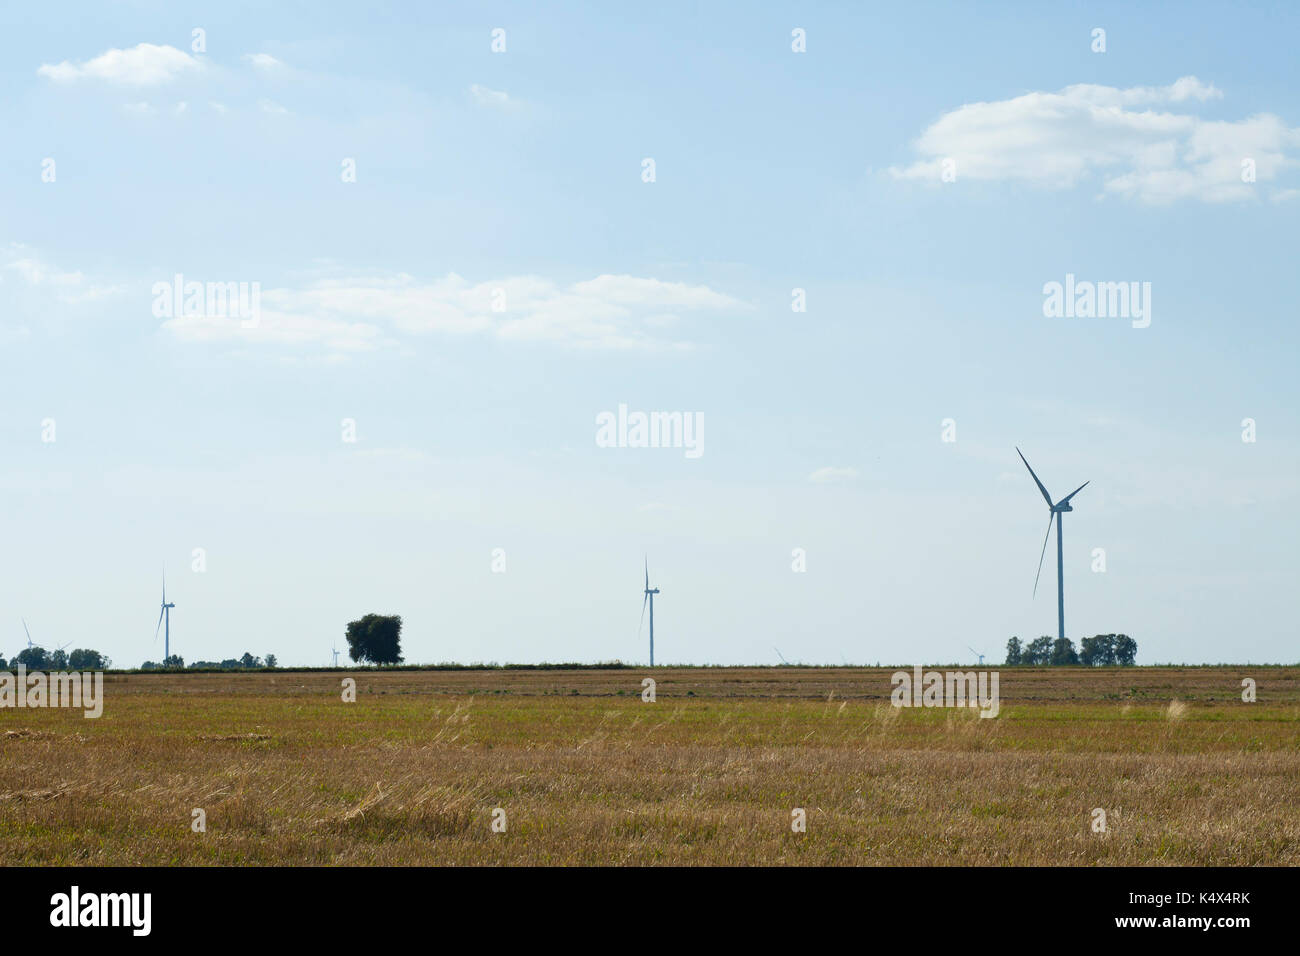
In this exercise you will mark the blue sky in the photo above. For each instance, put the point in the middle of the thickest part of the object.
(522, 171)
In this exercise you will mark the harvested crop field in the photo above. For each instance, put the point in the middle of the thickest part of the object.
(575, 768)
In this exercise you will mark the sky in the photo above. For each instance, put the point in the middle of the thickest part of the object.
(822, 234)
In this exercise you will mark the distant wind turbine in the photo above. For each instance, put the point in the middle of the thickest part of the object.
(165, 614)
(981, 656)
(778, 654)
(335, 651)
(29, 634)
(1054, 510)
(650, 600)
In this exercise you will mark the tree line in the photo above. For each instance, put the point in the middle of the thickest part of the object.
(39, 659)
(1102, 650)
(246, 663)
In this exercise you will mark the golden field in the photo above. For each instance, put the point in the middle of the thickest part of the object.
(588, 773)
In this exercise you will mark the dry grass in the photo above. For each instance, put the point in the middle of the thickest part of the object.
(588, 774)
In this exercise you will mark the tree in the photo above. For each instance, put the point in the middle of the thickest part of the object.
(376, 639)
(249, 661)
(1038, 652)
(1013, 651)
(1063, 654)
(1125, 650)
(83, 659)
(1097, 651)
(58, 661)
(33, 658)
(174, 663)
(270, 660)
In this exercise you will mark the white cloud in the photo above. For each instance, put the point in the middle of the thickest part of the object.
(1088, 131)
(143, 65)
(69, 287)
(262, 61)
(270, 107)
(829, 474)
(351, 314)
(493, 98)
(275, 327)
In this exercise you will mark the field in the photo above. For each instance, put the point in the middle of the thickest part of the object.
(709, 773)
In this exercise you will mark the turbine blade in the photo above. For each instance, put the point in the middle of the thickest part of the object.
(1073, 493)
(156, 629)
(644, 602)
(647, 572)
(1043, 555)
(1046, 496)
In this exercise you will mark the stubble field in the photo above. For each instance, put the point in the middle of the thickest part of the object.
(585, 772)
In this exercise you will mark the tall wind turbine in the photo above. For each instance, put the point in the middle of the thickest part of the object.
(649, 599)
(165, 614)
(1055, 510)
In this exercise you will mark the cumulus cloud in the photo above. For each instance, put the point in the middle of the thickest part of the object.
(352, 314)
(67, 286)
(145, 64)
(824, 476)
(262, 61)
(1117, 137)
(497, 99)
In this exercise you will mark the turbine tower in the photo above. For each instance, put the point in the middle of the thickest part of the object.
(165, 614)
(649, 599)
(1054, 510)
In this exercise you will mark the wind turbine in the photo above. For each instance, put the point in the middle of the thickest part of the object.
(981, 656)
(1055, 510)
(165, 613)
(778, 654)
(649, 599)
(335, 651)
(29, 634)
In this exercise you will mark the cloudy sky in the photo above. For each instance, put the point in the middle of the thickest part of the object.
(465, 255)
